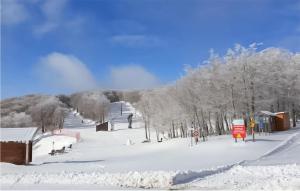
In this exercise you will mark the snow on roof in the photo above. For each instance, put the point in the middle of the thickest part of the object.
(17, 134)
(280, 112)
(238, 122)
(268, 113)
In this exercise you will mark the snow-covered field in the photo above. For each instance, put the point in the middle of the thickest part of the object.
(103, 160)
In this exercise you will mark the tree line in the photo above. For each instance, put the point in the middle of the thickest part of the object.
(49, 112)
(45, 112)
(91, 104)
(242, 82)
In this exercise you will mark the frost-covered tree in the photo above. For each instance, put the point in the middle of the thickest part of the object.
(239, 84)
(48, 114)
(93, 105)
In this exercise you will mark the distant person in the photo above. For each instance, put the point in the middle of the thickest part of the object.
(129, 119)
(112, 125)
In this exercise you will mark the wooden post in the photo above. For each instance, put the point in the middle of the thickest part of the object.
(27, 153)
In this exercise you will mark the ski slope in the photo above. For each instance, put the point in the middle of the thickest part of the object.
(104, 160)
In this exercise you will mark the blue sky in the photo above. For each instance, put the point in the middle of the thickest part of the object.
(63, 46)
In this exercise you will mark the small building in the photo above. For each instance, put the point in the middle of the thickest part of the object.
(16, 145)
(102, 127)
(277, 121)
(282, 121)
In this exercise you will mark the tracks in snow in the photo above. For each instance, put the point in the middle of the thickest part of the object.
(183, 180)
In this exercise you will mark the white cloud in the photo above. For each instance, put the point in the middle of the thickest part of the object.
(132, 77)
(53, 12)
(45, 28)
(13, 12)
(53, 9)
(65, 71)
(136, 40)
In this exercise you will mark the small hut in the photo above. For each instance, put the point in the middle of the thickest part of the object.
(16, 145)
(277, 121)
(282, 121)
(102, 127)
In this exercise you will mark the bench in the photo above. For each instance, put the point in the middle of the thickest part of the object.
(62, 150)
(53, 152)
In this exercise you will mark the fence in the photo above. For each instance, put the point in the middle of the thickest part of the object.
(65, 132)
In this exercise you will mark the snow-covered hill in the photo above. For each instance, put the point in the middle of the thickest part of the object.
(105, 160)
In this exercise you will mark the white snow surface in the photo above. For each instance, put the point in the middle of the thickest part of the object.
(105, 160)
(281, 177)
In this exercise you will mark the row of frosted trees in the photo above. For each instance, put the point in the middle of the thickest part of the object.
(93, 105)
(49, 114)
(208, 97)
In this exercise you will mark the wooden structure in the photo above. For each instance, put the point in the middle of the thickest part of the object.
(102, 127)
(282, 122)
(16, 145)
(277, 121)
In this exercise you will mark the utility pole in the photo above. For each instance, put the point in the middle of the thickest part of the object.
(252, 126)
(121, 108)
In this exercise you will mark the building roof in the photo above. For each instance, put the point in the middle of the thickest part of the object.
(268, 113)
(17, 134)
(272, 114)
(281, 112)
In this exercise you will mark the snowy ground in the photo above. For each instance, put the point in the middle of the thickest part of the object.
(104, 160)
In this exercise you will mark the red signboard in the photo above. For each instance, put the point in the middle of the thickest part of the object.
(196, 133)
(238, 131)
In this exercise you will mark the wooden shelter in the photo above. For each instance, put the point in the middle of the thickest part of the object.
(277, 121)
(102, 127)
(16, 145)
(282, 121)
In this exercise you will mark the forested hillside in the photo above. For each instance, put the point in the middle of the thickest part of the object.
(48, 112)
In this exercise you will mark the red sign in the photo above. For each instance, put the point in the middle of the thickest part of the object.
(196, 133)
(238, 131)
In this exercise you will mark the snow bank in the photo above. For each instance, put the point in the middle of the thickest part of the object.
(188, 176)
(238, 177)
(253, 178)
(148, 179)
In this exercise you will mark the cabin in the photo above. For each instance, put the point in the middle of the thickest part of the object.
(102, 127)
(16, 145)
(282, 121)
(279, 121)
